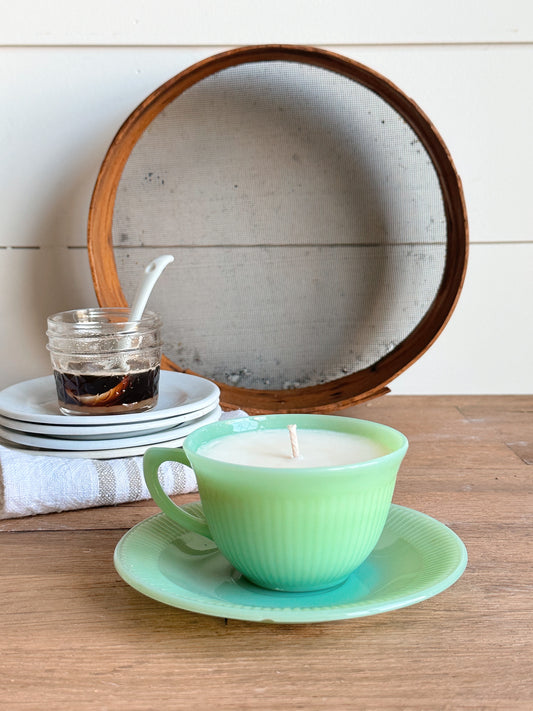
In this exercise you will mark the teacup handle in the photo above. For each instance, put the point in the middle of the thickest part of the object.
(152, 460)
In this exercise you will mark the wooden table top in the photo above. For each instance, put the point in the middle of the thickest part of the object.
(75, 636)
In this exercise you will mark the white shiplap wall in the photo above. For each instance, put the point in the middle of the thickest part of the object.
(71, 72)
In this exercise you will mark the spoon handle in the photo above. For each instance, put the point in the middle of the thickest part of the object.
(152, 272)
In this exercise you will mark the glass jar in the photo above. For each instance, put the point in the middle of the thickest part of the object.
(103, 363)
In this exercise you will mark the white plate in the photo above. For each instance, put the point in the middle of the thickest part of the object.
(73, 445)
(36, 401)
(79, 430)
(91, 453)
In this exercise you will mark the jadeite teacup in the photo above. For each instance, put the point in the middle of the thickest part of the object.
(301, 523)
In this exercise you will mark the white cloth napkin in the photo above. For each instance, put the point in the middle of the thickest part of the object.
(35, 484)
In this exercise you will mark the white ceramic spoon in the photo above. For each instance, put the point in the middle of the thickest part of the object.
(152, 272)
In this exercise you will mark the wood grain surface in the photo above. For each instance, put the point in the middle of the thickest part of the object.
(75, 636)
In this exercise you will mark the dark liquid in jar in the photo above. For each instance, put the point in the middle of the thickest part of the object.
(107, 394)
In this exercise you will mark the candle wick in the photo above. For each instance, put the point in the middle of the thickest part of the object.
(294, 441)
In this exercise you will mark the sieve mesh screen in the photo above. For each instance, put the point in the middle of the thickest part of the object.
(306, 220)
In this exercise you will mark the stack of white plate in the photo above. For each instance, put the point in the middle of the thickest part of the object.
(30, 419)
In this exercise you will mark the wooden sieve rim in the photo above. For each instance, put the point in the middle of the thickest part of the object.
(341, 392)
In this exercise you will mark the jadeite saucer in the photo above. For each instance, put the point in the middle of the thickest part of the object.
(416, 558)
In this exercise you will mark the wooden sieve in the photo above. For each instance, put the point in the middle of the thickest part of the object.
(315, 216)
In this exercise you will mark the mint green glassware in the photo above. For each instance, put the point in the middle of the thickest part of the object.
(290, 529)
(415, 558)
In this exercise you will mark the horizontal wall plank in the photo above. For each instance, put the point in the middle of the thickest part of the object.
(485, 348)
(277, 317)
(480, 100)
(206, 22)
(279, 153)
(56, 135)
(37, 283)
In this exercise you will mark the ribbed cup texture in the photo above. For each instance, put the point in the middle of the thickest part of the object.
(298, 543)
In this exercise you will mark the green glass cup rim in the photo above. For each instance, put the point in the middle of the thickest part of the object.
(253, 423)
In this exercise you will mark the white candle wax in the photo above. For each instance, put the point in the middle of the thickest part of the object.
(272, 448)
